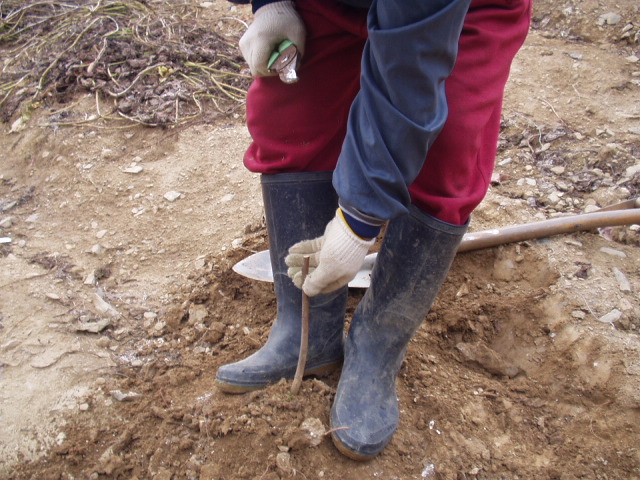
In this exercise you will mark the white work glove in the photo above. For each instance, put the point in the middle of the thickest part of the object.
(272, 23)
(334, 258)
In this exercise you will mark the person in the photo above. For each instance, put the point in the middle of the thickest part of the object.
(394, 121)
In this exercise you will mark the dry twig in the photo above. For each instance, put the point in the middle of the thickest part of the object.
(304, 335)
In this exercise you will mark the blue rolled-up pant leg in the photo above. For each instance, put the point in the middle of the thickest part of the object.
(402, 106)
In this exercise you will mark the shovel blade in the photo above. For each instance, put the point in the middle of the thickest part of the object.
(258, 267)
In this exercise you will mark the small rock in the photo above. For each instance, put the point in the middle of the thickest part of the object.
(101, 233)
(558, 170)
(93, 327)
(18, 125)
(103, 307)
(625, 286)
(134, 169)
(200, 263)
(124, 396)
(591, 208)
(576, 56)
(6, 222)
(108, 153)
(9, 206)
(32, 218)
(159, 326)
(96, 249)
(530, 182)
(172, 196)
(227, 198)
(578, 314)
(429, 471)
(631, 171)
(613, 316)
(610, 18)
(283, 461)
(613, 252)
(463, 291)
(314, 430)
(91, 279)
(553, 198)
(197, 313)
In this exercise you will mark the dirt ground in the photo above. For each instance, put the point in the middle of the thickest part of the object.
(118, 302)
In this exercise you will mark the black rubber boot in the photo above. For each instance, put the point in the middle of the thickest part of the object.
(413, 262)
(298, 207)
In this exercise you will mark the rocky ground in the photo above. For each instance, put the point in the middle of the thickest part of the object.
(118, 302)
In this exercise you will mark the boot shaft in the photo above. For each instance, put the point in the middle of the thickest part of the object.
(414, 260)
(297, 207)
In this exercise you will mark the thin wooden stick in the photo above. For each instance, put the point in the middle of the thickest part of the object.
(304, 335)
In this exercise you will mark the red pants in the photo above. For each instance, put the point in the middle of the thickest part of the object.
(301, 127)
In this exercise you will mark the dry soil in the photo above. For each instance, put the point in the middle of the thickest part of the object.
(118, 302)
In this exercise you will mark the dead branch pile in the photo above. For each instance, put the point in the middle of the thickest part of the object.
(154, 62)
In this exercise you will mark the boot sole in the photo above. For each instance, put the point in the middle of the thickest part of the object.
(237, 389)
(347, 452)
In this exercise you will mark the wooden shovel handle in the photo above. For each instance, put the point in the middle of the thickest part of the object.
(575, 223)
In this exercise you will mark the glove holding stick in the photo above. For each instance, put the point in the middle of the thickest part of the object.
(335, 258)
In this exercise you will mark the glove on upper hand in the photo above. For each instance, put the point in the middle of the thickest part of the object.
(272, 23)
(334, 258)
